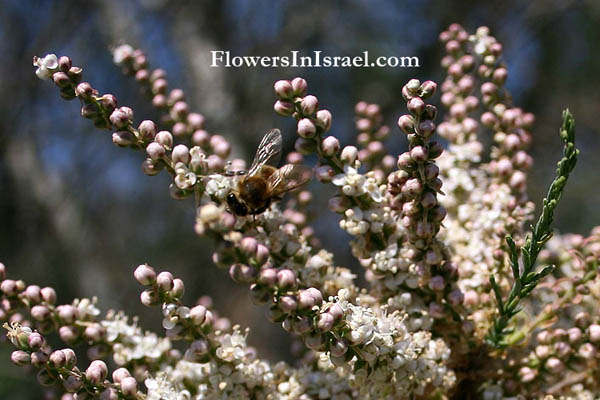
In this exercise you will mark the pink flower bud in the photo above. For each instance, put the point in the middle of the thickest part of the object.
(68, 334)
(123, 138)
(554, 365)
(286, 278)
(33, 294)
(145, 274)
(58, 358)
(406, 123)
(488, 119)
(248, 245)
(299, 86)
(220, 146)
(262, 253)
(70, 357)
(149, 298)
(363, 124)
(426, 128)
(428, 88)
(155, 150)
(336, 311)
(284, 108)
(527, 374)
(164, 138)
(215, 163)
(594, 332)
(180, 110)
(448, 99)
(64, 63)
(587, 351)
(325, 322)
(121, 117)
(20, 358)
(288, 304)
(488, 88)
(267, 276)
(35, 340)
(85, 91)
(309, 298)
(129, 386)
(349, 154)
(2, 271)
(67, 313)
(40, 312)
(412, 187)
(324, 119)
(96, 372)
(306, 128)
(198, 315)
(419, 153)
(416, 106)
(164, 280)
(181, 153)
(159, 101)
(147, 129)
(499, 76)
(119, 374)
(309, 105)
(196, 121)
(284, 89)
(178, 288)
(330, 146)
(575, 334)
(61, 80)
(39, 359)
(9, 287)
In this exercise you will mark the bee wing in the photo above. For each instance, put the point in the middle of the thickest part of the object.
(268, 152)
(289, 177)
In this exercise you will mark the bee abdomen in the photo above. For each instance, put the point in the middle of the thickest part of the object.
(253, 190)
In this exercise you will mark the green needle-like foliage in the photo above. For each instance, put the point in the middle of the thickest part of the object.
(525, 278)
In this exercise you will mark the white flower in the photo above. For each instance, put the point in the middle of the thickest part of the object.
(45, 66)
(350, 181)
(233, 346)
(371, 187)
(218, 186)
(86, 308)
(121, 53)
(184, 178)
(160, 388)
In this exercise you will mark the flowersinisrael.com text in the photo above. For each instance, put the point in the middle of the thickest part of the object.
(316, 59)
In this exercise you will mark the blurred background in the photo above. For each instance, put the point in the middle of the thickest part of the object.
(77, 213)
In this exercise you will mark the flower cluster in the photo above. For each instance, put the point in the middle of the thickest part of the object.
(440, 234)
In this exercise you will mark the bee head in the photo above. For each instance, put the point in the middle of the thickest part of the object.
(235, 206)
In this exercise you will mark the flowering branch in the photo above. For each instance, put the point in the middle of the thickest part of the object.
(526, 279)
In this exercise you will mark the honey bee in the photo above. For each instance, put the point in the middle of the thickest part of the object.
(264, 182)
